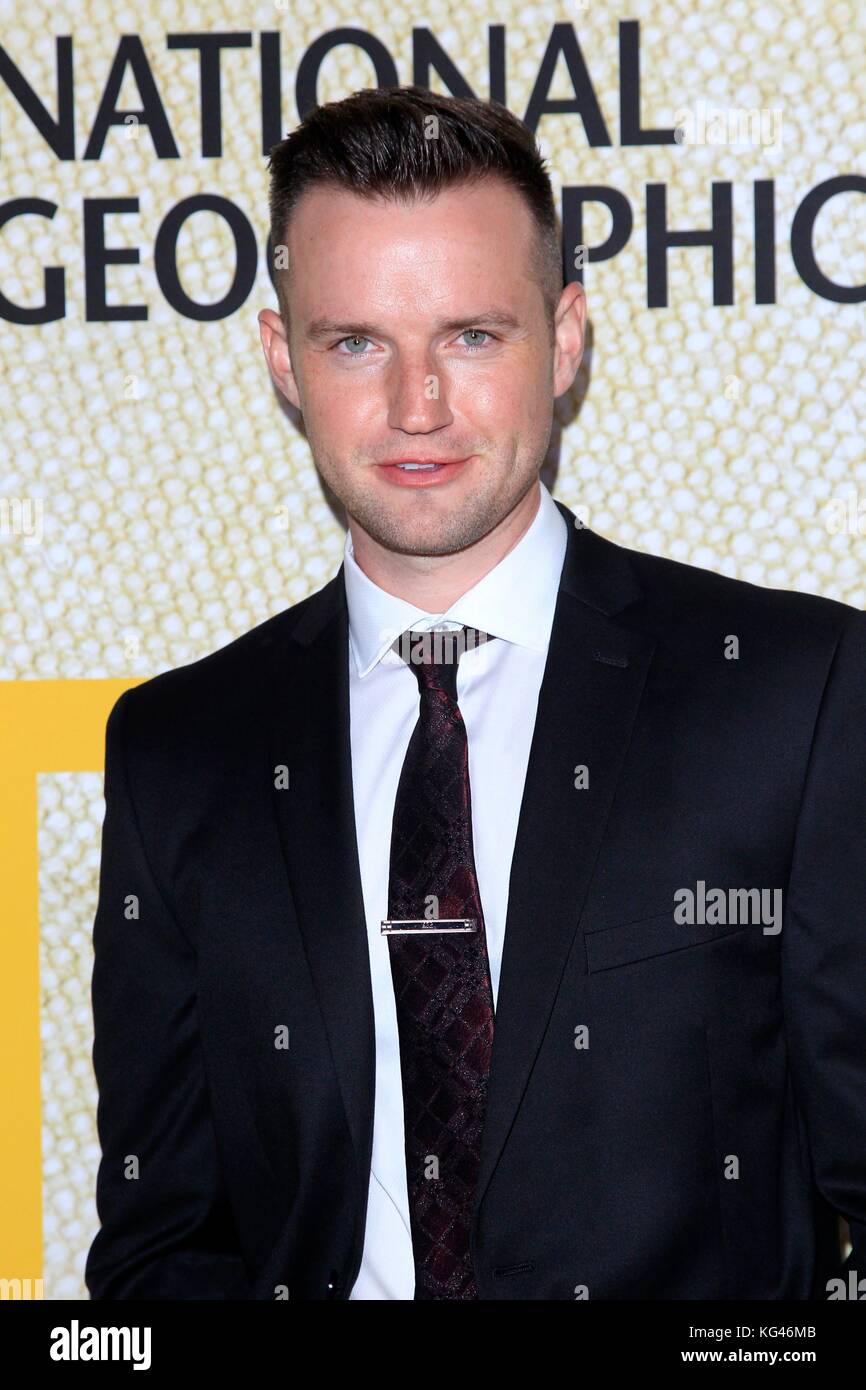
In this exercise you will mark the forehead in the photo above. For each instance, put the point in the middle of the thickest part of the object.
(477, 237)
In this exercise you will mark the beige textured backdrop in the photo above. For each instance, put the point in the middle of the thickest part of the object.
(718, 436)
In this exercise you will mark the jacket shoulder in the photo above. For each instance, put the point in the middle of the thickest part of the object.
(231, 679)
(685, 595)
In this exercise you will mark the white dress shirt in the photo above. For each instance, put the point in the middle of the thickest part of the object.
(497, 691)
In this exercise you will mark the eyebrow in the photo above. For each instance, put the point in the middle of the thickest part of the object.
(326, 327)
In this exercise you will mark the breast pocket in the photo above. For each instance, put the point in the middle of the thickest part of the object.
(607, 947)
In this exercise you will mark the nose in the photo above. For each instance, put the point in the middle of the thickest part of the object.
(417, 391)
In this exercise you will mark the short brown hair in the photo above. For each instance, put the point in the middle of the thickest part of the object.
(374, 144)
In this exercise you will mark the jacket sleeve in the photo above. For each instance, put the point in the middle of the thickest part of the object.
(824, 943)
(167, 1231)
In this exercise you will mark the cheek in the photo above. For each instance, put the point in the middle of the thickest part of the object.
(336, 409)
(496, 395)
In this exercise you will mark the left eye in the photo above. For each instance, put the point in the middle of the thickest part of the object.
(475, 332)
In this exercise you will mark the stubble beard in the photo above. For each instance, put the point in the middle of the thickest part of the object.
(429, 534)
(430, 529)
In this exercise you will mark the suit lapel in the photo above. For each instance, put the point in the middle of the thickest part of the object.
(593, 679)
(309, 733)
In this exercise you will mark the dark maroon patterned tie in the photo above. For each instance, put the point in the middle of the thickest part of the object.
(442, 985)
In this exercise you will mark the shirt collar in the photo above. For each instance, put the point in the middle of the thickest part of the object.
(514, 601)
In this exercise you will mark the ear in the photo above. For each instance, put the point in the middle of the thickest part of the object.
(570, 329)
(276, 349)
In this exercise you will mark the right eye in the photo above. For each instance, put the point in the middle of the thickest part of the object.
(353, 338)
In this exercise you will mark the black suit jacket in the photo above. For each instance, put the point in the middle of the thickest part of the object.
(675, 1111)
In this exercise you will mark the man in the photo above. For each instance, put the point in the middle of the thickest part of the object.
(490, 924)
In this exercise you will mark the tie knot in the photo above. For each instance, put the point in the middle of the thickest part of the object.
(434, 654)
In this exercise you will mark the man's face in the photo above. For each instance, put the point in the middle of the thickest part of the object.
(418, 332)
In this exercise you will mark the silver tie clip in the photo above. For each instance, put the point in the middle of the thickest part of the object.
(418, 926)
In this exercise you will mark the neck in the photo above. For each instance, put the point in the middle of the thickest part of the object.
(434, 582)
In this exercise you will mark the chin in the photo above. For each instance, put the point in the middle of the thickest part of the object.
(438, 541)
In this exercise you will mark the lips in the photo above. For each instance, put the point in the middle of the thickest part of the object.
(416, 462)
(415, 472)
